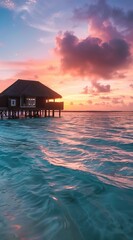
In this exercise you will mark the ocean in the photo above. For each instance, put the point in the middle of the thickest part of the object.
(68, 178)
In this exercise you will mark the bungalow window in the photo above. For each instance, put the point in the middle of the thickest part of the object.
(13, 102)
(31, 102)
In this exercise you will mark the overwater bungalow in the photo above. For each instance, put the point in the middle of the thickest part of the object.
(27, 98)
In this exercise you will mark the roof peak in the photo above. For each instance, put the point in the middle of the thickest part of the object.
(29, 80)
(30, 88)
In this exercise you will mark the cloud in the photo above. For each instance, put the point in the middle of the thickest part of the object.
(31, 1)
(92, 56)
(9, 4)
(38, 14)
(25, 9)
(131, 85)
(117, 100)
(44, 21)
(97, 88)
(18, 6)
(105, 98)
(106, 21)
(85, 90)
(45, 16)
(101, 88)
(114, 100)
(45, 27)
(42, 70)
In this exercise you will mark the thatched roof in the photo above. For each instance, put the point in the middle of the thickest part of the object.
(29, 88)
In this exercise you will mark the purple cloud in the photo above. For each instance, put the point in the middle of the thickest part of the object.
(101, 88)
(91, 56)
(112, 22)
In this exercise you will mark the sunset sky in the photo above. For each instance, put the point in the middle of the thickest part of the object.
(83, 49)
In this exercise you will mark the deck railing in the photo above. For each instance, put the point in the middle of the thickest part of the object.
(53, 106)
(45, 106)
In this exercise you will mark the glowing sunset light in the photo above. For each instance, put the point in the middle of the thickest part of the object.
(82, 49)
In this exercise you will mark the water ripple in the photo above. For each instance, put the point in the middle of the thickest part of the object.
(67, 178)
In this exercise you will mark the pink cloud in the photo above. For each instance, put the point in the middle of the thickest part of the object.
(114, 100)
(85, 90)
(91, 56)
(106, 21)
(30, 67)
(105, 98)
(44, 71)
(101, 88)
(97, 88)
(117, 100)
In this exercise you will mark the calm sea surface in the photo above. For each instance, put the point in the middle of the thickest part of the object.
(68, 178)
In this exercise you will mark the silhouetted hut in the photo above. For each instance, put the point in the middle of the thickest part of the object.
(28, 98)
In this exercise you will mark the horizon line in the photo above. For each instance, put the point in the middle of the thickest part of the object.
(97, 110)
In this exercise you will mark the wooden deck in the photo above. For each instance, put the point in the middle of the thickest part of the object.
(46, 110)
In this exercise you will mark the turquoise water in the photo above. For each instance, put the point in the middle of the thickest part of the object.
(67, 178)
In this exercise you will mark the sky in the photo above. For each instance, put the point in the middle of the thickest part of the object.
(82, 49)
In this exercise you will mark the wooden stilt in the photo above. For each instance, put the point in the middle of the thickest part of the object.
(1, 114)
(30, 114)
(9, 114)
(13, 113)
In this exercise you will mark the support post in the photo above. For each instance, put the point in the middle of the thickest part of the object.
(1, 114)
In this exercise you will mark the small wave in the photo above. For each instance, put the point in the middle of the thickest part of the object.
(67, 178)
